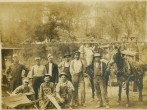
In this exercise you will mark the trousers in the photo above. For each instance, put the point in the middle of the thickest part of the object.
(101, 91)
(37, 81)
(78, 83)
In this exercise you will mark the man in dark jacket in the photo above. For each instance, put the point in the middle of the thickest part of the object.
(52, 69)
(15, 71)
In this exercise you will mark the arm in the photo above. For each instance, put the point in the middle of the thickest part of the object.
(31, 91)
(26, 70)
(71, 67)
(71, 87)
(31, 73)
(60, 66)
(57, 73)
(17, 90)
(58, 91)
(44, 70)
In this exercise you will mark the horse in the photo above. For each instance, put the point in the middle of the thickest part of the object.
(127, 71)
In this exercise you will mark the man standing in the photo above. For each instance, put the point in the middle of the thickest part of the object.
(64, 91)
(15, 71)
(37, 73)
(46, 88)
(100, 81)
(64, 66)
(25, 89)
(52, 69)
(77, 70)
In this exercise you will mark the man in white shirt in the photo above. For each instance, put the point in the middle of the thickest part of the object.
(77, 70)
(37, 73)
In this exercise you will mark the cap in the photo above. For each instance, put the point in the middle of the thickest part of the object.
(49, 56)
(97, 55)
(61, 74)
(37, 58)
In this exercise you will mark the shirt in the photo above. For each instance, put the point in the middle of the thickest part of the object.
(37, 71)
(46, 89)
(76, 66)
(22, 89)
(62, 88)
(62, 65)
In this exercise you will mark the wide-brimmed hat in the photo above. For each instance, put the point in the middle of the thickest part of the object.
(49, 56)
(47, 75)
(61, 74)
(67, 55)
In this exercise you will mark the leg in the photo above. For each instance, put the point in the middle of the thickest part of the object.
(98, 92)
(75, 94)
(127, 93)
(103, 90)
(119, 92)
(82, 87)
(140, 86)
(92, 86)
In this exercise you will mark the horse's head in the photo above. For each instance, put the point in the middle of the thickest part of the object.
(118, 59)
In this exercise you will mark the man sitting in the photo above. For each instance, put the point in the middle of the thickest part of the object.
(64, 91)
(25, 89)
(46, 88)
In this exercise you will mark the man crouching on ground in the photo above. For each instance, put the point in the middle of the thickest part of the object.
(64, 91)
(46, 88)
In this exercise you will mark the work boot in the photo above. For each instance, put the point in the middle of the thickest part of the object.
(84, 105)
(107, 106)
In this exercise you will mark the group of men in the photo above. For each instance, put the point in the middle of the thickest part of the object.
(64, 85)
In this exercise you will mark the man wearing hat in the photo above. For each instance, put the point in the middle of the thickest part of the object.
(15, 71)
(99, 80)
(77, 70)
(37, 73)
(64, 66)
(52, 69)
(46, 88)
(64, 90)
(25, 89)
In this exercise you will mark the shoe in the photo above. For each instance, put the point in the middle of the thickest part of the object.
(84, 105)
(107, 106)
(99, 106)
(70, 108)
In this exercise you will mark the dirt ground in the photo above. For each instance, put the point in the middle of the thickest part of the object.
(112, 94)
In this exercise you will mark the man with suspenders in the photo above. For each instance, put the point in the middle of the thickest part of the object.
(99, 68)
(77, 70)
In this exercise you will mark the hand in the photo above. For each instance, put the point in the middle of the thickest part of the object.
(61, 100)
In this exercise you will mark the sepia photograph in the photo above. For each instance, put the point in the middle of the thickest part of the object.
(78, 54)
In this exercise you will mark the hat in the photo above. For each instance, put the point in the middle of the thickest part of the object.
(77, 53)
(47, 75)
(49, 56)
(14, 55)
(61, 74)
(67, 55)
(97, 55)
(25, 80)
(37, 58)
